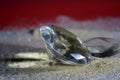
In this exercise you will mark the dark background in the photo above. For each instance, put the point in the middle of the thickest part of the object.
(18, 13)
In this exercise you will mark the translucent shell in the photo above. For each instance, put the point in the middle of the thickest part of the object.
(64, 46)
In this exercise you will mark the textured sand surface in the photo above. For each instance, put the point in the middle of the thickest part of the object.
(18, 42)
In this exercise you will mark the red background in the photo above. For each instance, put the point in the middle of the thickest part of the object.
(17, 13)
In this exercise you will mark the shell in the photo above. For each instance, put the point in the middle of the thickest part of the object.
(63, 46)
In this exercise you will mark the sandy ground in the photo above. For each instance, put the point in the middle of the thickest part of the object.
(18, 42)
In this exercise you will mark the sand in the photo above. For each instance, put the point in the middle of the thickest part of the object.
(22, 42)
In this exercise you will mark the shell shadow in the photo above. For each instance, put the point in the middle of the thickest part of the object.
(10, 49)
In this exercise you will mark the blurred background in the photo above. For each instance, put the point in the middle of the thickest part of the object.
(16, 14)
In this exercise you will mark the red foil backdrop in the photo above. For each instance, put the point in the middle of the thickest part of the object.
(30, 12)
